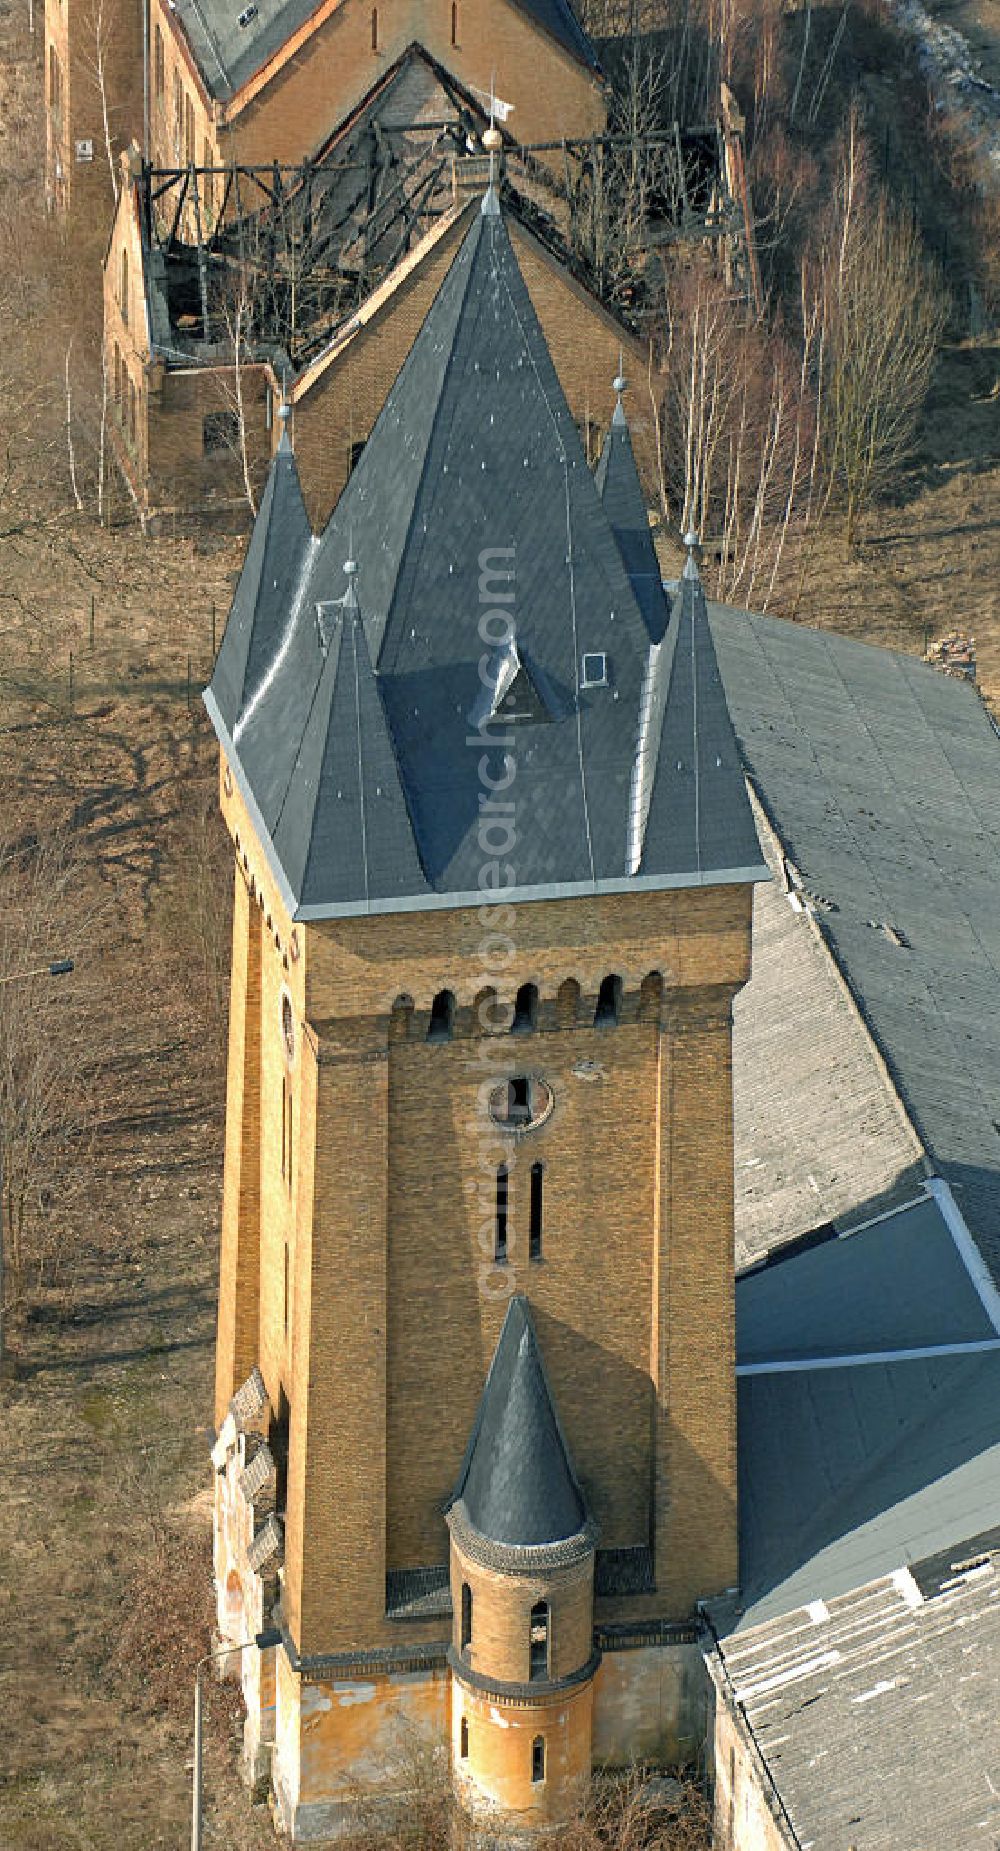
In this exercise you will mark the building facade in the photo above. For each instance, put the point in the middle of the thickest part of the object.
(494, 869)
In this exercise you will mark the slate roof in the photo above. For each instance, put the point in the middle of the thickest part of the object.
(868, 1408)
(228, 54)
(875, 1712)
(620, 489)
(882, 778)
(517, 1485)
(343, 701)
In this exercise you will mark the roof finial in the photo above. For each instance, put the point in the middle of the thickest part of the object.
(693, 545)
(492, 142)
(619, 384)
(284, 416)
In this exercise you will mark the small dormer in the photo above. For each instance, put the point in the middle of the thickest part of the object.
(509, 692)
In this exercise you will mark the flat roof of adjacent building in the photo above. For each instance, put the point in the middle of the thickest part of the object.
(875, 1711)
(881, 777)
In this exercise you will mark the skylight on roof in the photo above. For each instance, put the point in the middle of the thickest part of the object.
(594, 670)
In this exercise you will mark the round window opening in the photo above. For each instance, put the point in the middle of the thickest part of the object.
(288, 1026)
(521, 1104)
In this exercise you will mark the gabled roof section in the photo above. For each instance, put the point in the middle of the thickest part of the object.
(620, 489)
(486, 558)
(517, 1485)
(232, 43)
(272, 565)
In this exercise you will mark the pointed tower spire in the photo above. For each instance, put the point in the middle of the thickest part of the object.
(620, 489)
(517, 1485)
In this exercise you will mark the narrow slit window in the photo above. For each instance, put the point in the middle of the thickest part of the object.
(537, 1760)
(466, 1636)
(454, 22)
(535, 1223)
(463, 1738)
(540, 1640)
(503, 1187)
(286, 1288)
(374, 28)
(284, 1125)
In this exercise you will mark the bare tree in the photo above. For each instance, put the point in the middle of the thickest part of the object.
(881, 307)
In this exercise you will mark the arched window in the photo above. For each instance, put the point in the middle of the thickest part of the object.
(442, 1016)
(609, 1001)
(539, 1641)
(454, 22)
(535, 1221)
(500, 1244)
(537, 1760)
(463, 1738)
(525, 1009)
(466, 1634)
(374, 28)
(123, 293)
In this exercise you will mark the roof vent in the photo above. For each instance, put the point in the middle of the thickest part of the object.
(594, 670)
(248, 14)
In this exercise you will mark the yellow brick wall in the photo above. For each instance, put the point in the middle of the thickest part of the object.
(84, 37)
(238, 1347)
(395, 1310)
(501, 1617)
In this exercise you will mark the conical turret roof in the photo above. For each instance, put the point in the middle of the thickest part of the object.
(517, 1485)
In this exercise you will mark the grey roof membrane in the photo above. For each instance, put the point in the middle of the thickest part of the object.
(882, 778)
(231, 40)
(517, 1485)
(472, 509)
(848, 1471)
(876, 1713)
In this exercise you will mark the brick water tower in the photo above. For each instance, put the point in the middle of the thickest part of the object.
(494, 871)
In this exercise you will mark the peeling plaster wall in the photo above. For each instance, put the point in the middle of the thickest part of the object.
(336, 1740)
(650, 1704)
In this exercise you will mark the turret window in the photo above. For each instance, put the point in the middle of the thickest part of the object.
(454, 22)
(374, 28)
(463, 1738)
(503, 1189)
(466, 1634)
(535, 1212)
(538, 1760)
(540, 1641)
